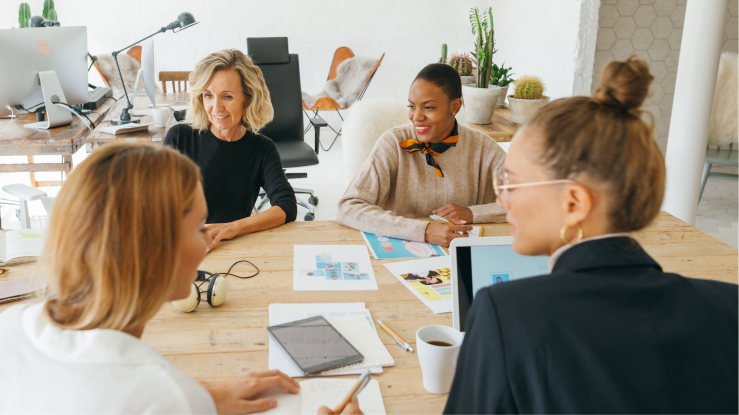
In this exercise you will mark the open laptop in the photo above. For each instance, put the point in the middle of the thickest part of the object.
(481, 262)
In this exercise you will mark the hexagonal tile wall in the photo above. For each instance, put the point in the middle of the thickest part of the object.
(652, 30)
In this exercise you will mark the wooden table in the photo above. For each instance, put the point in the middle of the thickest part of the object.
(152, 135)
(218, 343)
(64, 141)
(502, 129)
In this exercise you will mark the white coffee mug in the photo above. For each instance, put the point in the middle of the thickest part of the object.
(438, 362)
(160, 116)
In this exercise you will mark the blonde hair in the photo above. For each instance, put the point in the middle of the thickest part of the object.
(258, 111)
(605, 138)
(113, 246)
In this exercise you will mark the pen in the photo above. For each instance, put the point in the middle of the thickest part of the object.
(439, 218)
(354, 391)
(402, 343)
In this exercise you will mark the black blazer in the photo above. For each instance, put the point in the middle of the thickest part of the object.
(606, 332)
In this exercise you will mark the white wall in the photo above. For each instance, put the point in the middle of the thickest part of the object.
(534, 36)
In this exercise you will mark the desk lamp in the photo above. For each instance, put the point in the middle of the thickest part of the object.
(184, 20)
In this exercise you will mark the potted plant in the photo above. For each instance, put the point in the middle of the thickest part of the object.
(499, 76)
(462, 63)
(443, 53)
(528, 98)
(479, 100)
(24, 13)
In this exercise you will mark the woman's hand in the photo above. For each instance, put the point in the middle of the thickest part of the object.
(220, 231)
(456, 214)
(442, 233)
(234, 396)
(352, 408)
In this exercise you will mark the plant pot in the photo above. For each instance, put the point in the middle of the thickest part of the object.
(522, 109)
(479, 103)
(468, 79)
(501, 97)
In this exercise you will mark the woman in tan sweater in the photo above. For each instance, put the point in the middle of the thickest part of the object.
(433, 166)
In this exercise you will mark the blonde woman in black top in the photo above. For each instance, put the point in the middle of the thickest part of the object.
(229, 104)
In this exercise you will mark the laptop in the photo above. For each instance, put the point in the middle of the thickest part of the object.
(477, 263)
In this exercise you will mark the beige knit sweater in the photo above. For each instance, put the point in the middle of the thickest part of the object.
(394, 186)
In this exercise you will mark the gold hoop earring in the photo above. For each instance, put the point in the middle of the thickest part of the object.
(574, 241)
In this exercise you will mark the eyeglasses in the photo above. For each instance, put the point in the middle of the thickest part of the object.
(500, 185)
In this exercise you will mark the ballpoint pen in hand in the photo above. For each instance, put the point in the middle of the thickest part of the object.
(354, 391)
(402, 343)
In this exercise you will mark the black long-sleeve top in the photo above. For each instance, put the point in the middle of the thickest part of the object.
(234, 171)
(606, 332)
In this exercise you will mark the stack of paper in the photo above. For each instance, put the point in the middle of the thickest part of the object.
(21, 245)
(285, 313)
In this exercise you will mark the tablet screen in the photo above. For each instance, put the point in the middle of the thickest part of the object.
(315, 345)
(481, 266)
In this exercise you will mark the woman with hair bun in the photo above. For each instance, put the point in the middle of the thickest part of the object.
(607, 331)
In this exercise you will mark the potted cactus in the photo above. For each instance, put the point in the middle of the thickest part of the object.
(528, 97)
(443, 54)
(500, 76)
(479, 100)
(462, 63)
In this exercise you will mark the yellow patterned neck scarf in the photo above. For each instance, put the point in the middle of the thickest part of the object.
(433, 149)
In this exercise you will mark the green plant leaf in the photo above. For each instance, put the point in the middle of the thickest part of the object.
(24, 15)
(52, 15)
(48, 6)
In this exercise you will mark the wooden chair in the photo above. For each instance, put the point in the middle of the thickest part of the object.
(178, 79)
(329, 104)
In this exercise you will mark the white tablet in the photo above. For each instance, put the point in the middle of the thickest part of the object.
(479, 262)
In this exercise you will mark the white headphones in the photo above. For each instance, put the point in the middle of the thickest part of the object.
(215, 294)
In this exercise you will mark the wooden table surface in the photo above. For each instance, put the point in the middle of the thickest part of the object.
(502, 128)
(153, 134)
(64, 141)
(218, 343)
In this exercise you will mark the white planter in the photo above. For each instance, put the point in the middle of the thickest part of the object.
(522, 109)
(468, 79)
(479, 103)
(503, 93)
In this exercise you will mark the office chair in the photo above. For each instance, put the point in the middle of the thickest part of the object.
(281, 72)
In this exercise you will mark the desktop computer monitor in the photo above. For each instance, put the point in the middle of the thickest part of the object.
(43, 65)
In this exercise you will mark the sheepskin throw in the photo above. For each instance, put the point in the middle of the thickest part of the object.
(345, 88)
(129, 69)
(367, 121)
(723, 130)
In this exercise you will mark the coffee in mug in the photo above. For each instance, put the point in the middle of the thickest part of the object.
(438, 348)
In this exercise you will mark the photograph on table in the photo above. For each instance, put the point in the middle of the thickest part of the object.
(383, 247)
(428, 279)
(338, 267)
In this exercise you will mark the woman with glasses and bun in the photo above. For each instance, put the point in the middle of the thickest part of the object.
(607, 331)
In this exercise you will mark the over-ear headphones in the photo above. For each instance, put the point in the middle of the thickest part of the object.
(215, 294)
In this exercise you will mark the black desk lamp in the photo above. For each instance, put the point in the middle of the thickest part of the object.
(184, 20)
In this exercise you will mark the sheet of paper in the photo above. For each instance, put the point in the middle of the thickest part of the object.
(285, 313)
(360, 334)
(430, 280)
(364, 312)
(383, 247)
(332, 268)
(16, 288)
(24, 243)
(315, 393)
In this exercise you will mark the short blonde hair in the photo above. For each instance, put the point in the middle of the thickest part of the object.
(257, 113)
(112, 253)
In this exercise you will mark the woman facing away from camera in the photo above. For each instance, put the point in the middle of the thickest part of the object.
(607, 331)
(127, 235)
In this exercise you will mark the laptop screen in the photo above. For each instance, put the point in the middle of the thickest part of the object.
(482, 266)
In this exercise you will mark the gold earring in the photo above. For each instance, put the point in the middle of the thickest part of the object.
(574, 241)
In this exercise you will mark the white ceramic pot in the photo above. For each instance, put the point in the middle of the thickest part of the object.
(468, 79)
(522, 109)
(479, 103)
(503, 93)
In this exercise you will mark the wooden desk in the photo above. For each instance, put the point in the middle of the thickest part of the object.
(502, 129)
(152, 135)
(218, 343)
(64, 141)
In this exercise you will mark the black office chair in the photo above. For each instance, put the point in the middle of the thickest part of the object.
(282, 74)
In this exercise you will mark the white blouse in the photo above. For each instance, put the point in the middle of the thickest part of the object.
(45, 369)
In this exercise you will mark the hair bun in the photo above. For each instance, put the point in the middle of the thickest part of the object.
(624, 85)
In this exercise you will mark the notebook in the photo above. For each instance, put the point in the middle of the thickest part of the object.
(21, 245)
(318, 392)
(125, 128)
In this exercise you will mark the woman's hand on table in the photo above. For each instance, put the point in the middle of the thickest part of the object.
(220, 231)
(458, 215)
(235, 396)
(352, 408)
(442, 233)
